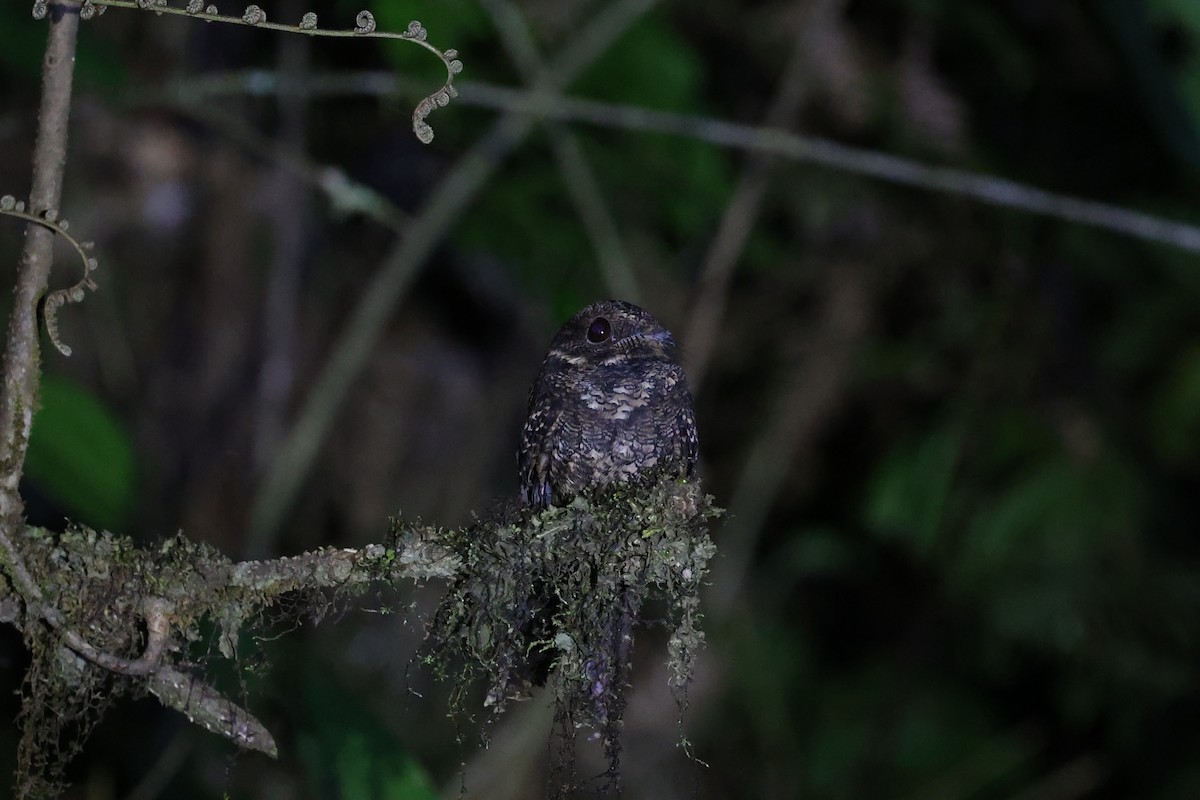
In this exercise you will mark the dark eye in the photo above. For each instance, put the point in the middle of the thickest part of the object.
(599, 330)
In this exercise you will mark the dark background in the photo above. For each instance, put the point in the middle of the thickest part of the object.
(960, 444)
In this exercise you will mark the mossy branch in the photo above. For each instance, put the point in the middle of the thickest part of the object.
(127, 618)
(559, 593)
(102, 597)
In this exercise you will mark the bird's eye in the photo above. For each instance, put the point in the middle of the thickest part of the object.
(599, 330)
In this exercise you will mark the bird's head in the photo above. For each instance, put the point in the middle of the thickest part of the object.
(611, 332)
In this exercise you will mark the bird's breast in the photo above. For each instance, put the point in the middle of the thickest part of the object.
(618, 400)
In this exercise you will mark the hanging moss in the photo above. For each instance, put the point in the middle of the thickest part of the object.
(557, 594)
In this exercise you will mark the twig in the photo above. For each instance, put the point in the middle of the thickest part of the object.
(155, 611)
(823, 152)
(737, 221)
(447, 201)
(853, 160)
(289, 212)
(10, 206)
(813, 388)
(344, 194)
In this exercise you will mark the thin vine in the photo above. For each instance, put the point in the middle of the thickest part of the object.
(254, 16)
(75, 293)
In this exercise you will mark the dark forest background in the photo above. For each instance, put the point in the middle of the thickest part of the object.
(959, 443)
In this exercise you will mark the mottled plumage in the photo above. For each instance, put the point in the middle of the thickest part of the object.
(611, 401)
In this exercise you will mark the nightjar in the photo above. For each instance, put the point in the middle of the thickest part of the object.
(610, 402)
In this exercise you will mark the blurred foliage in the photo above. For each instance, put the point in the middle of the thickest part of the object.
(663, 181)
(347, 753)
(1161, 39)
(81, 456)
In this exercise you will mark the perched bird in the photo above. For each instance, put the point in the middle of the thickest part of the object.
(610, 402)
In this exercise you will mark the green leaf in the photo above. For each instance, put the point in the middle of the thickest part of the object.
(81, 457)
(347, 751)
(818, 551)
(773, 682)
(1055, 516)
(908, 493)
(1046, 554)
(1176, 415)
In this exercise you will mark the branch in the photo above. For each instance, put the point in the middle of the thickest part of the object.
(21, 370)
(98, 591)
(742, 211)
(18, 396)
(211, 710)
(155, 613)
(332, 568)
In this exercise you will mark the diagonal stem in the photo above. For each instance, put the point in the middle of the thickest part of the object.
(21, 370)
(813, 387)
(875, 164)
(743, 209)
(577, 174)
(18, 396)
